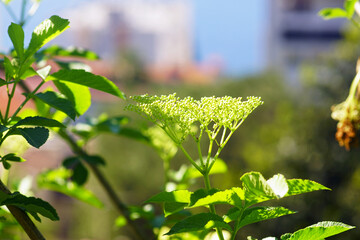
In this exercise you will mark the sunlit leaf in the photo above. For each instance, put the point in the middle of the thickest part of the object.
(56, 50)
(330, 13)
(234, 196)
(299, 186)
(181, 196)
(16, 34)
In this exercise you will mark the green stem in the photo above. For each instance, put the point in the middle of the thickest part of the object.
(28, 97)
(22, 14)
(355, 23)
(191, 160)
(10, 96)
(200, 154)
(23, 219)
(237, 225)
(354, 85)
(121, 207)
(11, 13)
(2, 118)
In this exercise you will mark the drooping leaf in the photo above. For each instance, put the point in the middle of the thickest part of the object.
(16, 34)
(39, 121)
(181, 196)
(32, 205)
(79, 95)
(6, 165)
(56, 101)
(299, 186)
(257, 214)
(318, 231)
(2, 82)
(36, 136)
(87, 79)
(198, 222)
(234, 196)
(45, 32)
(56, 50)
(56, 180)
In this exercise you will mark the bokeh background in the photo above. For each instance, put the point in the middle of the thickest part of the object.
(280, 50)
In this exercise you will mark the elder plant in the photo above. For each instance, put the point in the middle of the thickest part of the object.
(216, 119)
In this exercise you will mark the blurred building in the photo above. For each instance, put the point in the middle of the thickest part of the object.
(297, 32)
(154, 33)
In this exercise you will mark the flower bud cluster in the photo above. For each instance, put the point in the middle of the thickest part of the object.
(179, 115)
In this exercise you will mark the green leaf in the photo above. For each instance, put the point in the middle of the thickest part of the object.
(79, 95)
(56, 180)
(199, 222)
(94, 160)
(32, 205)
(173, 207)
(181, 196)
(3, 128)
(56, 101)
(218, 167)
(330, 13)
(257, 214)
(349, 6)
(73, 65)
(12, 158)
(279, 185)
(56, 50)
(319, 231)
(299, 186)
(133, 134)
(87, 79)
(29, 72)
(39, 121)
(45, 32)
(9, 69)
(36, 137)
(16, 34)
(2, 82)
(80, 174)
(6, 165)
(234, 196)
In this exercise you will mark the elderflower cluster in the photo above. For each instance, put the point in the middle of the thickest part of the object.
(179, 115)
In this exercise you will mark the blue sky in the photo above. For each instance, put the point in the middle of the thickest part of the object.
(231, 29)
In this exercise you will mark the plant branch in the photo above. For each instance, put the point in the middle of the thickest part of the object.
(23, 219)
(120, 206)
(191, 160)
(22, 14)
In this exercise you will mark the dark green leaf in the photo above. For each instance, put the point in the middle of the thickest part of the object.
(39, 121)
(318, 231)
(71, 162)
(94, 160)
(3, 128)
(6, 165)
(198, 222)
(45, 32)
(56, 101)
(36, 137)
(87, 79)
(80, 174)
(2, 82)
(56, 50)
(16, 34)
(12, 158)
(9, 69)
(133, 134)
(173, 207)
(31, 205)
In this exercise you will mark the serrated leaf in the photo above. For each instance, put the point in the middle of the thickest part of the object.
(39, 121)
(56, 101)
(36, 137)
(299, 186)
(319, 231)
(56, 180)
(234, 196)
(330, 13)
(16, 34)
(56, 50)
(257, 214)
(198, 222)
(87, 79)
(31, 205)
(45, 32)
(181, 196)
(79, 95)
